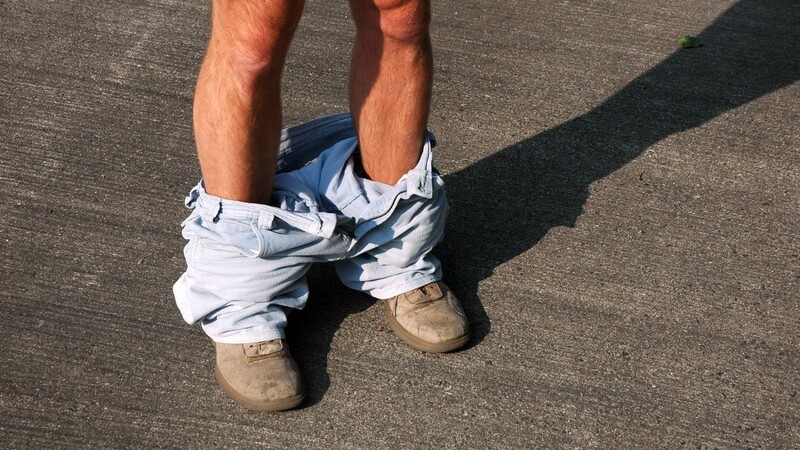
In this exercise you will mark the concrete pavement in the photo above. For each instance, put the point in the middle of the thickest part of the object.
(624, 233)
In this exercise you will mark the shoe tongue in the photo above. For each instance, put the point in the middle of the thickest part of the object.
(263, 348)
(424, 294)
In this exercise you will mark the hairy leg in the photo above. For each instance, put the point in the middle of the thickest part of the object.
(390, 84)
(237, 106)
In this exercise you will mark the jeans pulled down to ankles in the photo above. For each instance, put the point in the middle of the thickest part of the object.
(246, 262)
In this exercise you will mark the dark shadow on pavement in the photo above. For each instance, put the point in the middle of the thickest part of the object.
(312, 330)
(505, 203)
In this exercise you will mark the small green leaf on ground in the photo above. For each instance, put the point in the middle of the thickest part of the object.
(689, 42)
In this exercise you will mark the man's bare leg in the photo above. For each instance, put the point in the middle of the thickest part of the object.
(390, 84)
(237, 106)
(237, 120)
(390, 92)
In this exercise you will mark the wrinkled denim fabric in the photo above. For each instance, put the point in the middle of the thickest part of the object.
(246, 262)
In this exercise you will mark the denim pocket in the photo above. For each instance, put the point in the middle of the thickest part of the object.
(284, 233)
(236, 233)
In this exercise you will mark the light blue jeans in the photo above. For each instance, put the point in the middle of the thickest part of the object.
(246, 262)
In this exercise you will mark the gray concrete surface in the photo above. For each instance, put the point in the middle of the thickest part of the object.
(624, 233)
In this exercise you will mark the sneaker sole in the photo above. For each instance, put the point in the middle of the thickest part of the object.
(276, 405)
(425, 346)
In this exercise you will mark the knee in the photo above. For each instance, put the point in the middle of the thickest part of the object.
(399, 20)
(255, 35)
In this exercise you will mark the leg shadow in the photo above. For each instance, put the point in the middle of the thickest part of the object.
(504, 204)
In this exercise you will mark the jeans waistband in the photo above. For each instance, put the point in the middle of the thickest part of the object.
(211, 207)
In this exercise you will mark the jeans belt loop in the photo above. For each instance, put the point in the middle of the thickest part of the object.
(266, 220)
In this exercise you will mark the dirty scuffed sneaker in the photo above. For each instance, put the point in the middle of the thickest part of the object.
(429, 318)
(261, 376)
